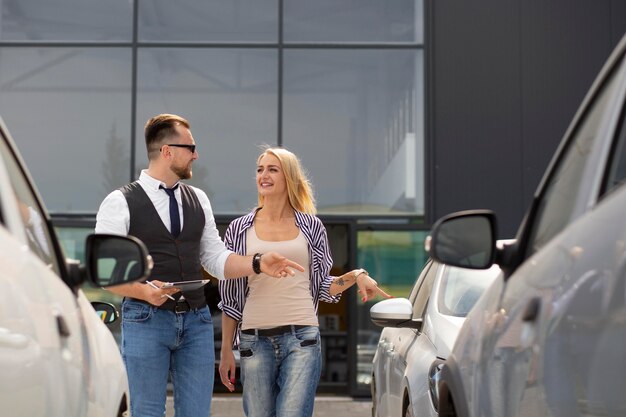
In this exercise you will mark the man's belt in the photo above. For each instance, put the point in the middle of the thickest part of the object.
(178, 306)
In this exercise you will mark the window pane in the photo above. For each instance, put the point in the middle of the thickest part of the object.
(73, 239)
(366, 108)
(229, 96)
(394, 259)
(75, 135)
(209, 20)
(66, 20)
(353, 21)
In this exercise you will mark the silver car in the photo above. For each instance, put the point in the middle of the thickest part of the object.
(548, 338)
(418, 335)
(58, 358)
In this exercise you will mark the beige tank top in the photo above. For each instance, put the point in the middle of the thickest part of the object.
(273, 302)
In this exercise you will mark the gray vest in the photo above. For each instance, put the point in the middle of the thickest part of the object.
(175, 259)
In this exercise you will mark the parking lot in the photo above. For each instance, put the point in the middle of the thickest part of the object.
(229, 405)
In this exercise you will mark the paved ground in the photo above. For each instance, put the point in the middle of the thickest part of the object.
(225, 405)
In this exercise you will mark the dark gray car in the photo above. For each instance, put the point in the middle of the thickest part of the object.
(549, 337)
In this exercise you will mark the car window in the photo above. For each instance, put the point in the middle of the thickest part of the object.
(460, 288)
(555, 210)
(419, 281)
(617, 171)
(423, 293)
(34, 220)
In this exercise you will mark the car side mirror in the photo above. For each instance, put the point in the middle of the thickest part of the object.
(465, 239)
(106, 311)
(395, 312)
(114, 260)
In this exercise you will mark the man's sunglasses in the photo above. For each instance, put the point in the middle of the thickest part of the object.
(192, 148)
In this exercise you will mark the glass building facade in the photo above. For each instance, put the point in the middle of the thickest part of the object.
(340, 83)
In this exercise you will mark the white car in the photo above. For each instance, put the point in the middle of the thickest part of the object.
(57, 357)
(418, 335)
(548, 338)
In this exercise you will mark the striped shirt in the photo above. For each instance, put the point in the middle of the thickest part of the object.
(234, 291)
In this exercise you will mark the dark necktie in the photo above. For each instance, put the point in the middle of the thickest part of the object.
(174, 216)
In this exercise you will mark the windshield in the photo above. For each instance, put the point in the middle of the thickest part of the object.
(461, 288)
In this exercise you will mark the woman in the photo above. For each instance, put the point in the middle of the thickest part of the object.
(279, 341)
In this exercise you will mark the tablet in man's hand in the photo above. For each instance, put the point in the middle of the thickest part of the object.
(186, 285)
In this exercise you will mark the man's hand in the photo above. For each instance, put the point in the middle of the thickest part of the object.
(156, 295)
(227, 369)
(368, 287)
(277, 266)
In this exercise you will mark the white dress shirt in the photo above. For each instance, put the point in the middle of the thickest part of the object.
(114, 218)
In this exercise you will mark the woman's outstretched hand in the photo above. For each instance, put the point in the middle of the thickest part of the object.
(368, 287)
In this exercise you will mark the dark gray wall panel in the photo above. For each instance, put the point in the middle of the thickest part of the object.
(476, 135)
(564, 44)
(618, 20)
(506, 78)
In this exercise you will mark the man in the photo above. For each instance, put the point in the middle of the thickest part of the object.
(166, 331)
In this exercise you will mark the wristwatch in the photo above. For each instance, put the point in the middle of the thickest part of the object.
(256, 263)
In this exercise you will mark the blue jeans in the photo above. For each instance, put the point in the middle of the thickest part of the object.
(280, 374)
(160, 343)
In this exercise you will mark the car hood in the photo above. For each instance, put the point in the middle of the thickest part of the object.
(444, 331)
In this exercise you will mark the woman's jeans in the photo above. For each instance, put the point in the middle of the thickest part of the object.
(280, 373)
(159, 343)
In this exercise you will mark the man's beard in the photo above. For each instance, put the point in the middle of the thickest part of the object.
(184, 173)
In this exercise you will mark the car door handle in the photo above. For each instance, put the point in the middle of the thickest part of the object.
(531, 312)
(62, 327)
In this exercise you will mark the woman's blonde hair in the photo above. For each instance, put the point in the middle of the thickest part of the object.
(299, 190)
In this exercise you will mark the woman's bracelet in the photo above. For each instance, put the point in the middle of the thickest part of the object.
(359, 272)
